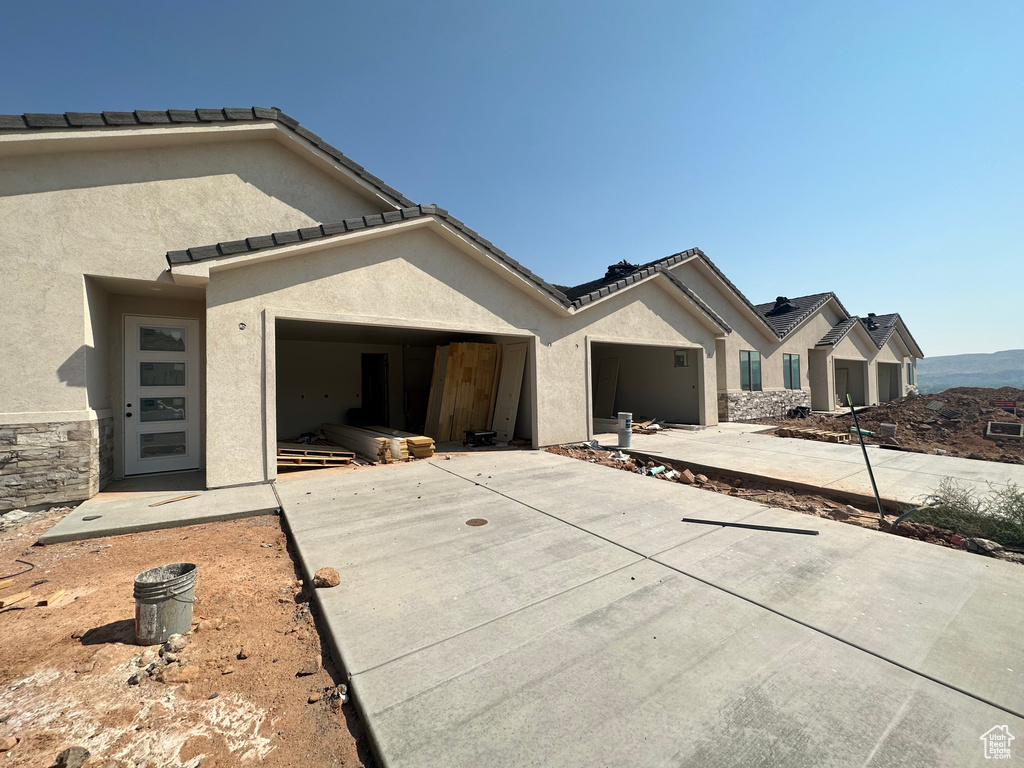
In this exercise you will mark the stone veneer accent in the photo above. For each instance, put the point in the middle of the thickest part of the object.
(770, 404)
(54, 462)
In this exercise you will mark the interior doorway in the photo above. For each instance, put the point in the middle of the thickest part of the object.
(376, 393)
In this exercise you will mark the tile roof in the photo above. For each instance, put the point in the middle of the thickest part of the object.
(140, 118)
(586, 293)
(838, 332)
(802, 307)
(879, 328)
(889, 324)
(320, 231)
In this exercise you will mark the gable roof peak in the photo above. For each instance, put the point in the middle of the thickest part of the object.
(171, 118)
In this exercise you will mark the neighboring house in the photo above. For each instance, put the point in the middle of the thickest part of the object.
(185, 287)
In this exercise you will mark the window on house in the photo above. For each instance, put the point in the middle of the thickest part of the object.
(791, 371)
(750, 371)
(910, 374)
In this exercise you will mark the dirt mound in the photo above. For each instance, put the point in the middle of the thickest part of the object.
(956, 427)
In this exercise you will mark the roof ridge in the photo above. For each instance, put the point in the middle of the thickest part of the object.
(149, 117)
(320, 231)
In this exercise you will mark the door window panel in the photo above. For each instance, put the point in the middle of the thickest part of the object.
(160, 445)
(154, 338)
(161, 374)
(162, 409)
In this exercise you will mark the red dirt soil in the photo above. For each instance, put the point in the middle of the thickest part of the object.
(963, 437)
(58, 691)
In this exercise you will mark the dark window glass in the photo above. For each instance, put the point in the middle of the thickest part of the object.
(750, 371)
(791, 371)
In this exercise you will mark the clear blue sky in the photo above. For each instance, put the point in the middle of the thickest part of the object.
(875, 149)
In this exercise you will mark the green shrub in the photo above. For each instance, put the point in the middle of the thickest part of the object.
(997, 515)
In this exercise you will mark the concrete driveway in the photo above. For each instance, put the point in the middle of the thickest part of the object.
(903, 477)
(585, 625)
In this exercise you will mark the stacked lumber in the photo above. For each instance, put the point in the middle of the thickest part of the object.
(814, 434)
(410, 445)
(463, 387)
(370, 445)
(308, 456)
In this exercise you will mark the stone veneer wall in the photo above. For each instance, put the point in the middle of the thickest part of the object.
(770, 404)
(54, 462)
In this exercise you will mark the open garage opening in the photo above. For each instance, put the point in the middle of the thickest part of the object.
(651, 382)
(851, 378)
(890, 384)
(401, 379)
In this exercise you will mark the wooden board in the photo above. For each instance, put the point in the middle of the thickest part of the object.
(509, 387)
(436, 391)
(53, 597)
(302, 449)
(374, 447)
(15, 598)
(604, 392)
(416, 446)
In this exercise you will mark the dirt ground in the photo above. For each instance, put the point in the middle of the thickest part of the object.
(64, 669)
(783, 497)
(924, 430)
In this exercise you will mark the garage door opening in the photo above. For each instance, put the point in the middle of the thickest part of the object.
(890, 385)
(851, 378)
(650, 382)
(377, 376)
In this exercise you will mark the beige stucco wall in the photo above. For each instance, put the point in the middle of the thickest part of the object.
(747, 335)
(66, 213)
(413, 278)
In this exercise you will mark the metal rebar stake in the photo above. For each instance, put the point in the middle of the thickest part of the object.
(864, 448)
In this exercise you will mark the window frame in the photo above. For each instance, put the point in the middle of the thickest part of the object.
(789, 375)
(747, 371)
(910, 375)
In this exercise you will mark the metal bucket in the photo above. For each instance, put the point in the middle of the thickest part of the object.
(625, 429)
(163, 602)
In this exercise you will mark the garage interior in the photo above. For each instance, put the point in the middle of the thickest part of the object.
(649, 382)
(362, 375)
(851, 377)
(889, 381)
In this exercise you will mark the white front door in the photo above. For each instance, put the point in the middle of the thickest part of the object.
(161, 394)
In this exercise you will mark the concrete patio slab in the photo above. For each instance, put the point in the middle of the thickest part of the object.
(641, 515)
(125, 508)
(558, 635)
(906, 478)
(647, 667)
(944, 613)
(413, 572)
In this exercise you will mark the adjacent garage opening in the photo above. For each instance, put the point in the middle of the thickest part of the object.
(368, 375)
(650, 382)
(890, 385)
(851, 377)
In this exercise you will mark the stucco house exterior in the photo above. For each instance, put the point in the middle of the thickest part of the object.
(183, 288)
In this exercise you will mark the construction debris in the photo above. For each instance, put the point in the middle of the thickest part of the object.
(772, 528)
(176, 498)
(462, 390)
(813, 434)
(371, 445)
(15, 598)
(308, 456)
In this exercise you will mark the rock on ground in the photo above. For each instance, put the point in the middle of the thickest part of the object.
(326, 577)
(73, 757)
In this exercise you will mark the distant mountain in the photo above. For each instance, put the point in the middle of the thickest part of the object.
(999, 369)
